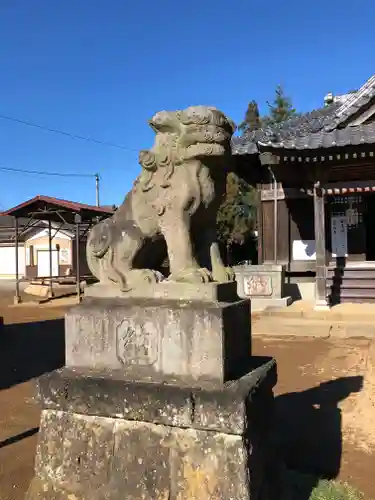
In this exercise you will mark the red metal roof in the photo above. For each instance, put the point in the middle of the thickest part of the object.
(25, 209)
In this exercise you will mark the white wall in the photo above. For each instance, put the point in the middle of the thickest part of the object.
(8, 262)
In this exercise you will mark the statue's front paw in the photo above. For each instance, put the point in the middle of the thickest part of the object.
(140, 277)
(198, 275)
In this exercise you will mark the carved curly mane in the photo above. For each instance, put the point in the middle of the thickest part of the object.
(171, 207)
(182, 136)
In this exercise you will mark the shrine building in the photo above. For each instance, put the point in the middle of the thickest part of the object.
(315, 175)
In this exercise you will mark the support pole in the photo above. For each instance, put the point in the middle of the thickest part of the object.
(17, 298)
(320, 244)
(259, 227)
(275, 215)
(97, 179)
(50, 259)
(78, 270)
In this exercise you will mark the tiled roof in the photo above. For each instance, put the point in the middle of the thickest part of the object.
(348, 136)
(297, 126)
(354, 103)
(322, 128)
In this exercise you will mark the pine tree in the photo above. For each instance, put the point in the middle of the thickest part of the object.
(280, 109)
(252, 119)
(237, 215)
(236, 218)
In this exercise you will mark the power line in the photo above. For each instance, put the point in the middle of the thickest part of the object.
(67, 134)
(38, 172)
(59, 174)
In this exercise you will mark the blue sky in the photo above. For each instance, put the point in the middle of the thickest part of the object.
(101, 68)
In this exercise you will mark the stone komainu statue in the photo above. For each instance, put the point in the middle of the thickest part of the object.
(171, 209)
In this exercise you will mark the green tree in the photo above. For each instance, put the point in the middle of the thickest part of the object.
(236, 218)
(252, 119)
(280, 109)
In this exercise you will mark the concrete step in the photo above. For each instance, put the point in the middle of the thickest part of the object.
(356, 299)
(311, 328)
(291, 327)
(345, 291)
(351, 283)
(353, 273)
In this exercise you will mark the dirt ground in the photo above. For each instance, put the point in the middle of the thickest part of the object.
(325, 398)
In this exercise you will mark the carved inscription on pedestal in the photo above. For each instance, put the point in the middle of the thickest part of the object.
(258, 285)
(137, 344)
(90, 333)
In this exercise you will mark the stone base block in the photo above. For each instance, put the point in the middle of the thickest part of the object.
(259, 304)
(106, 438)
(153, 338)
(170, 290)
(261, 281)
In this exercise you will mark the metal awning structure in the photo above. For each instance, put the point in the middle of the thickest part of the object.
(57, 210)
(60, 214)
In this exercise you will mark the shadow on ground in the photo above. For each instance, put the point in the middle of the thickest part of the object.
(19, 437)
(27, 350)
(308, 423)
(309, 434)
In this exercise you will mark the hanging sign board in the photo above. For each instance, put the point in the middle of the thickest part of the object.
(339, 236)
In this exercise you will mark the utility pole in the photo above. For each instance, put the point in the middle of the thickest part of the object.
(97, 190)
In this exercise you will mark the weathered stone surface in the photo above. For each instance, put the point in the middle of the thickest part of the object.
(169, 290)
(204, 454)
(213, 406)
(160, 398)
(141, 465)
(209, 465)
(194, 339)
(74, 450)
(171, 209)
(263, 284)
(143, 461)
(265, 280)
(113, 395)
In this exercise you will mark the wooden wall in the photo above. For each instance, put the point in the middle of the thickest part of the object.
(295, 221)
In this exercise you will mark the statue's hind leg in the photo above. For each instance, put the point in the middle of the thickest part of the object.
(209, 252)
(220, 272)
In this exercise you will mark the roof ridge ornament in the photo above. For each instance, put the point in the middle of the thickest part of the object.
(354, 103)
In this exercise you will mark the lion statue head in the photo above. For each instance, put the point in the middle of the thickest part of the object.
(181, 136)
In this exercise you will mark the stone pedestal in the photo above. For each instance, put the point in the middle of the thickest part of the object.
(263, 284)
(159, 399)
(148, 338)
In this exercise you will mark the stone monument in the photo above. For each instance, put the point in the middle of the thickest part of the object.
(264, 284)
(160, 397)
